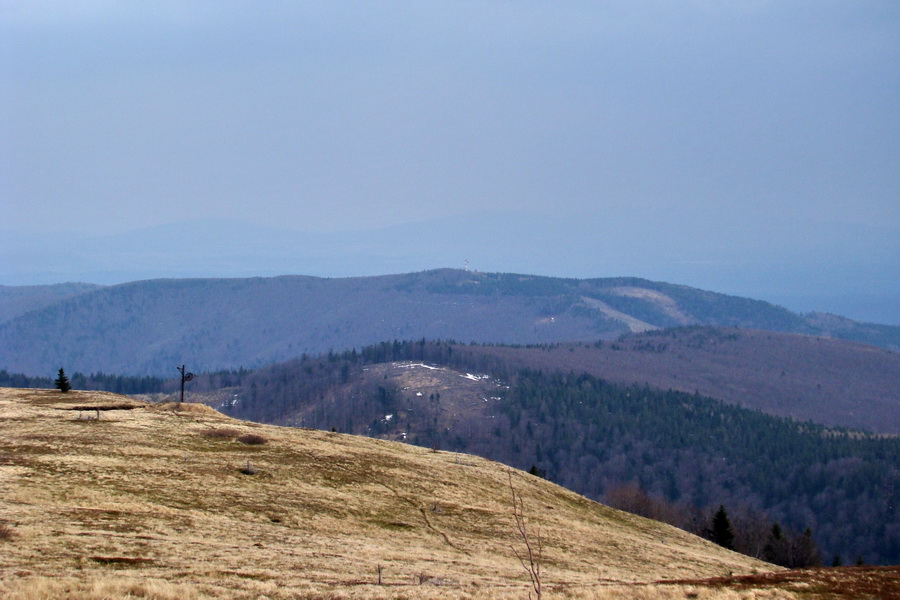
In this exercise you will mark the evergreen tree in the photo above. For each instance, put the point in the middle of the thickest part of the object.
(62, 382)
(722, 534)
(777, 550)
(806, 551)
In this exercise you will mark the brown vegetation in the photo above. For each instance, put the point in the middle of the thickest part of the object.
(843, 583)
(220, 433)
(122, 506)
(252, 439)
(6, 533)
(532, 557)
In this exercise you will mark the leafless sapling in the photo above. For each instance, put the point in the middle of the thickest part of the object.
(531, 557)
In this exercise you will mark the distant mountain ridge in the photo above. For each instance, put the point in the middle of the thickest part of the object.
(148, 327)
(18, 300)
(841, 268)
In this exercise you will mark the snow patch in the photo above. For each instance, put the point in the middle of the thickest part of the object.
(475, 377)
(412, 365)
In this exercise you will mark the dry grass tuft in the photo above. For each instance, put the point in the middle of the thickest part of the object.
(220, 433)
(104, 407)
(251, 439)
(6, 532)
(190, 408)
(248, 469)
(103, 588)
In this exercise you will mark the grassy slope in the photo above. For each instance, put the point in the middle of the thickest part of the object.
(143, 495)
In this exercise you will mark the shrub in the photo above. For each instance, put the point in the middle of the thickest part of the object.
(6, 533)
(220, 433)
(252, 439)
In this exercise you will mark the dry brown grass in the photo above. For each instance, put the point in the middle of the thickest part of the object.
(850, 583)
(6, 532)
(226, 433)
(118, 507)
(105, 588)
(251, 439)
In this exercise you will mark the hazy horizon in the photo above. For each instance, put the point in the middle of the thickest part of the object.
(748, 148)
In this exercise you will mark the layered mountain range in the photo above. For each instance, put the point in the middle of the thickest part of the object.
(149, 327)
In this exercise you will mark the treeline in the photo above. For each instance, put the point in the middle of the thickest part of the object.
(119, 384)
(742, 529)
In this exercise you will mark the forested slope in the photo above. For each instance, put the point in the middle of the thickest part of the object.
(19, 300)
(146, 327)
(829, 381)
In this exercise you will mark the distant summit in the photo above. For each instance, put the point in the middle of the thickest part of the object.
(148, 327)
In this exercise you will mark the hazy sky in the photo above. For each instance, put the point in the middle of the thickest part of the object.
(654, 117)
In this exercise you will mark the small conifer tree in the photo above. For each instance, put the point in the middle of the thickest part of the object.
(62, 382)
(806, 551)
(722, 534)
(777, 549)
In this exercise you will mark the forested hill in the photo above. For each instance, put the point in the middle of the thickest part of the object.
(685, 451)
(18, 300)
(144, 328)
(807, 378)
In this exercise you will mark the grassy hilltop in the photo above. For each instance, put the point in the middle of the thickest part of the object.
(180, 501)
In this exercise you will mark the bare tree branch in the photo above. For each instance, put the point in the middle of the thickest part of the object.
(532, 557)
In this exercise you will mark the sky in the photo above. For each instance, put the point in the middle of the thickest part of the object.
(750, 146)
